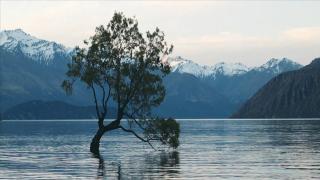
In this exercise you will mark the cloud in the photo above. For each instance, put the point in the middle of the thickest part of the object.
(223, 39)
(306, 35)
(205, 31)
(303, 34)
(301, 43)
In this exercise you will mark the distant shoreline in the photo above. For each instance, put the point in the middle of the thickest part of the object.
(200, 119)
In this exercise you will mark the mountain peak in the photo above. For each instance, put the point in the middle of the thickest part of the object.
(277, 66)
(274, 66)
(18, 30)
(39, 50)
(181, 65)
(315, 63)
(274, 61)
(230, 68)
(8, 36)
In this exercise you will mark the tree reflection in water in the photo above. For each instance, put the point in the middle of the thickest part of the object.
(101, 166)
(163, 164)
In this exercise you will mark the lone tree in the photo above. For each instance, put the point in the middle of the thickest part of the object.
(124, 68)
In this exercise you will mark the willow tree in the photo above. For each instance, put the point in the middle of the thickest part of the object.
(124, 69)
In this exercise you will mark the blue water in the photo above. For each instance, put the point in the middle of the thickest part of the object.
(210, 149)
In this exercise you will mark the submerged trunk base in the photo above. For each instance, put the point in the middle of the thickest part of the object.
(94, 146)
(95, 142)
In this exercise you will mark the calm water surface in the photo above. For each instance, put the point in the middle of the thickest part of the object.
(210, 149)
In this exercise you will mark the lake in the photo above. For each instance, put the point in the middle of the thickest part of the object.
(210, 149)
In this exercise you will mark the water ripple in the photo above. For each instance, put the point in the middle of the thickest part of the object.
(209, 150)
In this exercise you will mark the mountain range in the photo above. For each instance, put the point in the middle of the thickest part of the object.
(33, 69)
(234, 80)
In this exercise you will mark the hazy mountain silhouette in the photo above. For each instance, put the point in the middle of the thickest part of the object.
(52, 110)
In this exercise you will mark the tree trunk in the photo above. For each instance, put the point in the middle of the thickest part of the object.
(95, 142)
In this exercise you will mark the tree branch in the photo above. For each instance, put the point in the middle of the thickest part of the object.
(135, 120)
(95, 100)
(118, 86)
(112, 125)
(103, 99)
(135, 134)
(109, 93)
(132, 89)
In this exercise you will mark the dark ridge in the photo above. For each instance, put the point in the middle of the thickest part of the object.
(294, 94)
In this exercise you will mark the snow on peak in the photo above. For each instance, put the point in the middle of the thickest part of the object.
(181, 65)
(230, 69)
(32, 47)
(278, 65)
(17, 34)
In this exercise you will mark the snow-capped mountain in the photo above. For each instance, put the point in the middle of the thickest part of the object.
(274, 66)
(17, 41)
(181, 65)
(277, 66)
(210, 91)
(230, 69)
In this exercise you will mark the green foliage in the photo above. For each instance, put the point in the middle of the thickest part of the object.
(165, 130)
(67, 86)
(120, 60)
(123, 65)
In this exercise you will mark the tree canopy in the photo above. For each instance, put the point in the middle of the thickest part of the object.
(124, 68)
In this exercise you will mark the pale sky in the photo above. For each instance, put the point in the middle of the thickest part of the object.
(207, 32)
